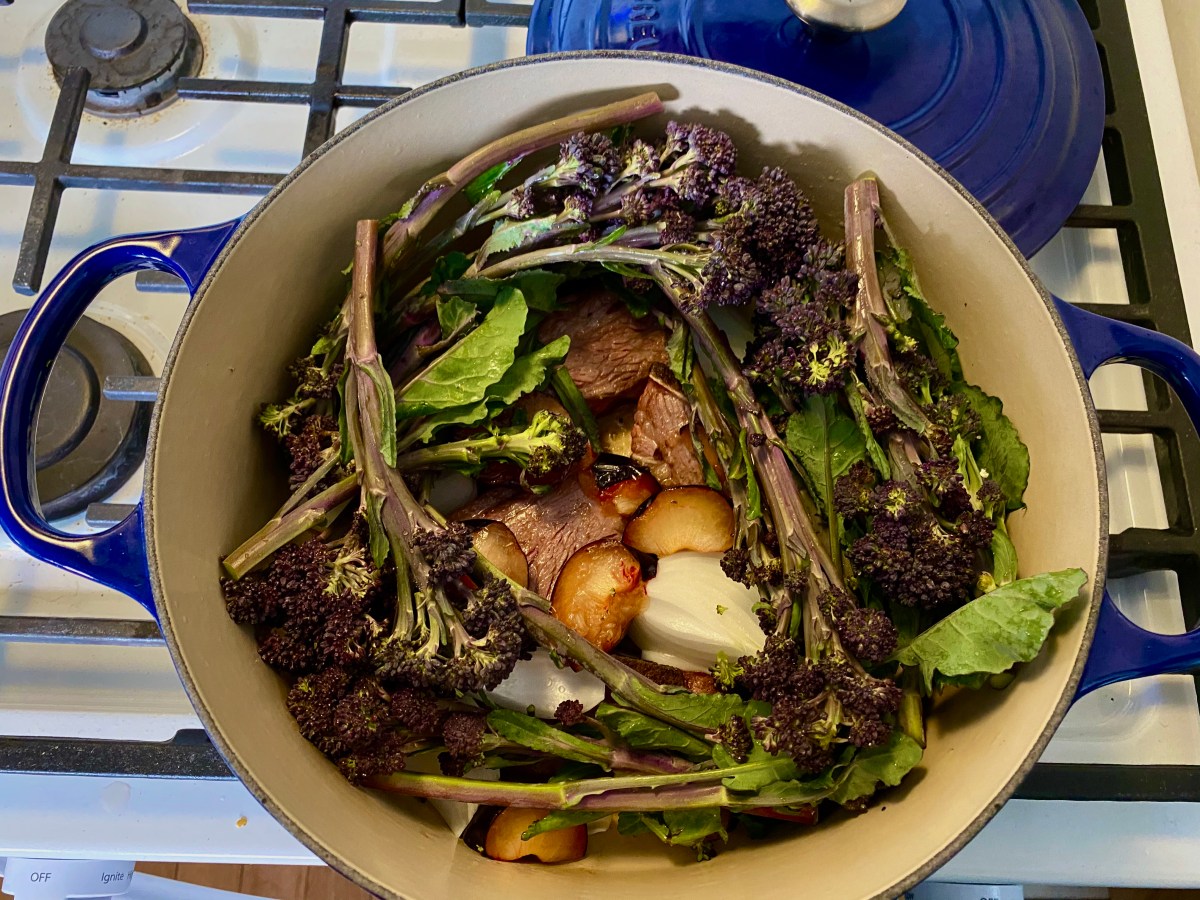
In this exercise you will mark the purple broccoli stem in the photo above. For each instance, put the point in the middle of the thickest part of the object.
(286, 528)
(435, 193)
(700, 789)
(862, 214)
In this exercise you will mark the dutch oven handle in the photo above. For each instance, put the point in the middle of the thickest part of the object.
(1122, 650)
(115, 557)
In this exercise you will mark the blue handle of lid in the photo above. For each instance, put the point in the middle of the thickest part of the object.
(115, 557)
(1122, 650)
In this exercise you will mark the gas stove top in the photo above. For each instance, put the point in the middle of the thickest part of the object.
(198, 129)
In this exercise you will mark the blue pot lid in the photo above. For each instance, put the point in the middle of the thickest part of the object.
(1005, 94)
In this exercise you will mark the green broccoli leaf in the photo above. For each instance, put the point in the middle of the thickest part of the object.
(694, 828)
(527, 373)
(514, 235)
(676, 827)
(454, 314)
(470, 414)
(644, 733)
(563, 818)
(463, 374)
(681, 353)
(1001, 450)
(484, 184)
(704, 711)
(754, 508)
(824, 440)
(878, 457)
(445, 269)
(886, 764)
(991, 633)
(572, 400)
(537, 735)
(1004, 556)
(539, 287)
(761, 768)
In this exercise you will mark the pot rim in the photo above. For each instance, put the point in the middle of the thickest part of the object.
(229, 752)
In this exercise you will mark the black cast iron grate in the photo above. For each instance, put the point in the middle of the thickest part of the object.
(1138, 216)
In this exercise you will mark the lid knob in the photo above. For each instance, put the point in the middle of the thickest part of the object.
(847, 15)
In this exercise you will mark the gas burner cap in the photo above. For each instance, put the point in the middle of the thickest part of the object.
(86, 445)
(1007, 95)
(135, 50)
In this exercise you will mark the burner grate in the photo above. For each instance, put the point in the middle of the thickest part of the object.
(1138, 216)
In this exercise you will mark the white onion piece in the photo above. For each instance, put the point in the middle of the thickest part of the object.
(540, 682)
(455, 813)
(681, 622)
(449, 491)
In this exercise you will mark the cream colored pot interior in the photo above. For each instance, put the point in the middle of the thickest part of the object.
(214, 479)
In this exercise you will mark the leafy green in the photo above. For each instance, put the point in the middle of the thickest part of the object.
(611, 238)
(485, 183)
(824, 439)
(514, 235)
(563, 818)
(537, 735)
(991, 633)
(681, 353)
(454, 314)
(527, 373)
(754, 508)
(676, 827)
(469, 414)
(1001, 450)
(925, 323)
(1004, 556)
(576, 407)
(886, 764)
(463, 374)
(878, 457)
(539, 287)
(644, 733)
(705, 711)
(627, 271)
(769, 768)
(445, 269)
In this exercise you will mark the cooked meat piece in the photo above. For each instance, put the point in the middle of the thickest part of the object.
(696, 682)
(549, 528)
(661, 438)
(611, 351)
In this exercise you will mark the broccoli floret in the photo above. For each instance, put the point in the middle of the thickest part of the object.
(280, 419)
(917, 562)
(362, 714)
(384, 756)
(309, 447)
(314, 698)
(291, 647)
(547, 447)
(251, 600)
(867, 633)
(315, 379)
(418, 711)
(942, 480)
(802, 341)
(852, 491)
(735, 737)
(587, 162)
(569, 712)
(463, 736)
(953, 416)
(448, 552)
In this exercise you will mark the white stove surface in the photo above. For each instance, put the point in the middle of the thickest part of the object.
(134, 693)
